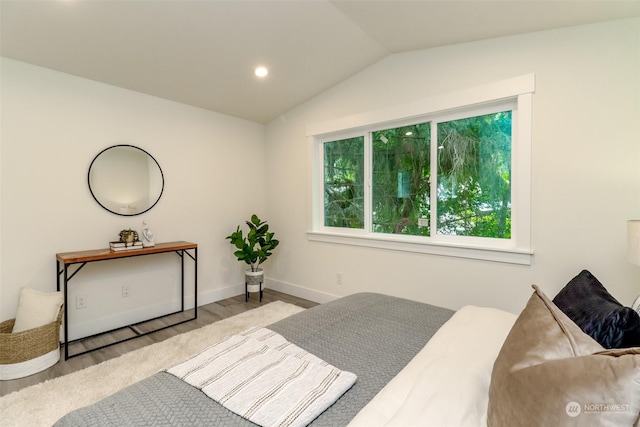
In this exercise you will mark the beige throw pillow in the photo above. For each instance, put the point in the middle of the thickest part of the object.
(550, 373)
(36, 309)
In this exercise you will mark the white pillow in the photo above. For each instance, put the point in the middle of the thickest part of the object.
(36, 309)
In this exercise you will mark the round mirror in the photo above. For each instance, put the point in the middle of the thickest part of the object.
(125, 180)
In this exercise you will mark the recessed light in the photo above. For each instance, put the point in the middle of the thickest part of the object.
(261, 71)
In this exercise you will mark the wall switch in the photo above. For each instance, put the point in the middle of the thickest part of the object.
(125, 292)
(339, 279)
(81, 301)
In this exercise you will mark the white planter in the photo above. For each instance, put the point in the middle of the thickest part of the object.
(253, 279)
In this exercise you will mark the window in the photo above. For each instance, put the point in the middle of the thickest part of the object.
(400, 186)
(453, 179)
(344, 183)
(474, 176)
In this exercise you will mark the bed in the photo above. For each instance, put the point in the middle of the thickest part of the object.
(371, 335)
(416, 364)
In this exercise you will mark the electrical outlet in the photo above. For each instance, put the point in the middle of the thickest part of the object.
(339, 279)
(81, 301)
(125, 292)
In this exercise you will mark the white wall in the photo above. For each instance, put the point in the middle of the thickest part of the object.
(53, 125)
(586, 179)
(586, 169)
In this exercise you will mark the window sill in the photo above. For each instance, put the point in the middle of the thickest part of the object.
(509, 256)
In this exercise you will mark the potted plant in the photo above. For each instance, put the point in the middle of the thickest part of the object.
(128, 236)
(253, 249)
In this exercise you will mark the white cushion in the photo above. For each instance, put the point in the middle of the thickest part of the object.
(36, 309)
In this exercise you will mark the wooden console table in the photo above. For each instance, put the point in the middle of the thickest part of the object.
(65, 260)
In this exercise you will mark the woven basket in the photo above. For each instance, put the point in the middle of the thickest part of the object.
(37, 345)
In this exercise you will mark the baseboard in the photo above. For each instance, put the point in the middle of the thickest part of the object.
(277, 285)
(300, 291)
(84, 329)
(79, 330)
(219, 294)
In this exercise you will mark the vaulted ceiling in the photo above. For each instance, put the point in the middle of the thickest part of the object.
(203, 52)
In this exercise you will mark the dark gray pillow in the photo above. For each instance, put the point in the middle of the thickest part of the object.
(586, 301)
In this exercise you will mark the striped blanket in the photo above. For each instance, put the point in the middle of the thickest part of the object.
(264, 378)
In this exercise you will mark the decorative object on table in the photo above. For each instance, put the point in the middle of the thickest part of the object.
(128, 236)
(121, 246)
(254, 249)
(147, 235)
(30, 343)
(128, 240)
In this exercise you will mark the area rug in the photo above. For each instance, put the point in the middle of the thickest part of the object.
(43, 404)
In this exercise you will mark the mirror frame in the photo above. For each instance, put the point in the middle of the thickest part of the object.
(120, 213)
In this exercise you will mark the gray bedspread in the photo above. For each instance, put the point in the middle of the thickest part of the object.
(371, 335)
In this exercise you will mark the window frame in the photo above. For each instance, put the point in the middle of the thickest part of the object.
(516, 92)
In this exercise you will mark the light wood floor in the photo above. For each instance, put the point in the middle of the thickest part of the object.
(207, 314)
